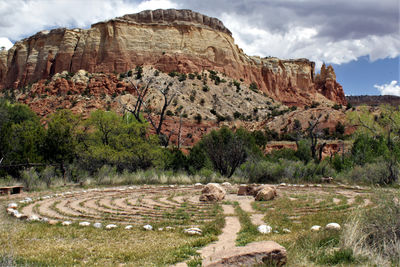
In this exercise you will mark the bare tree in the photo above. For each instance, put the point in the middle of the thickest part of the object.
(313, 134)
(168, 95)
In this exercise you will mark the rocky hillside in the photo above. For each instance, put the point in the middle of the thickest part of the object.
(167, 40)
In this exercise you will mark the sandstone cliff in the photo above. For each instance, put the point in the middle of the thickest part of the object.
(168, 40)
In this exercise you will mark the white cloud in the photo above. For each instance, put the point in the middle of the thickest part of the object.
(21, 18)
(306, 42)
(392, 88)
(5, 42)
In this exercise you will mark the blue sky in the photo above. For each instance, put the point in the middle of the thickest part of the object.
(358, 77)
(360, 38)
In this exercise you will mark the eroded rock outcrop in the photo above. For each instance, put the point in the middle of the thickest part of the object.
(168, 40)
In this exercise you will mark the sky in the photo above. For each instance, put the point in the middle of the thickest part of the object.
(360, 38)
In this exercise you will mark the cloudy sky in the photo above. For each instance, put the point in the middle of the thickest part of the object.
(360, 38)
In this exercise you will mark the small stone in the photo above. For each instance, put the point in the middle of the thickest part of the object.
(44, 219)
(198, 185)
(226, 184)
(128, 227)
(264, 229)
(52, 222)
(285, 230)
(12, 206)
(169, 228)
(111, 226)
(193, 231)
(315, 228)
(333, 226)
(84, 224)
(66, 223)
(148, 227)
(33, 218)
(276, 231)
(161, 229)
(97, 225)
(28, 199)
(282, 184)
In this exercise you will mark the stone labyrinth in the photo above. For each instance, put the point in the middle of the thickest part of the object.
(129, 205)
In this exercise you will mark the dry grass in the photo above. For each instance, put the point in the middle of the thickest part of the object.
(39, 244)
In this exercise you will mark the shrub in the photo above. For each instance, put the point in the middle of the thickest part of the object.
(375, 233)
(191, 76)
(337, 106)
(30, 178)
(206, 88)
(237, 85)
(139, 72)
(198, 118)
(253, 87)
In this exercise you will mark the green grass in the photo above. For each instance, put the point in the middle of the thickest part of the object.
(39, 244)
(248, 232)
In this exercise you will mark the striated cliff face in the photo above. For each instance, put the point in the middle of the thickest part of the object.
(168, 40)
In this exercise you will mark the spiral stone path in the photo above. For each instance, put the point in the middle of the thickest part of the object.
(128, 205)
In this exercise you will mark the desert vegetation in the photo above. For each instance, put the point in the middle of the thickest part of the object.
(62, 151)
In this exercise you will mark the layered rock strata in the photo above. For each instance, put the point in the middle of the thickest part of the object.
(168, 40)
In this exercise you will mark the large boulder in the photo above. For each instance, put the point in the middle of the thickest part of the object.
(247, 189)
(212, 192)
(265, 193)
(253, 254)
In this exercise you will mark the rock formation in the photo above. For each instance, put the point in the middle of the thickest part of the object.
(168, 40)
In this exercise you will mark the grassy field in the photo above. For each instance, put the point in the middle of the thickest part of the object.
(40, 244)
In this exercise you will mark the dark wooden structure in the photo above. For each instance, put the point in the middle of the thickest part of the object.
(8, 190)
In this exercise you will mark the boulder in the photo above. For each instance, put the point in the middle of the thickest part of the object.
(333, 226)
(267, 253)
(212, 192)
(265, 193)
(247, 190)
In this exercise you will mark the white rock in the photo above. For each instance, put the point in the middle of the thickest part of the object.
(315, 228)
(148, 227)
(18, 215)
(161, 229)
(285, 230)
(44, 219)
(169, 228)
(97, 225)
(276, 231)
(66, 223)
(33, 218)
(12, 206)
(264, 229)
(226, 184)
(84, 224)
(282, 184)
(333, 226)
(193, 231)
(128, 227)
(10, 211)
(110, 226)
